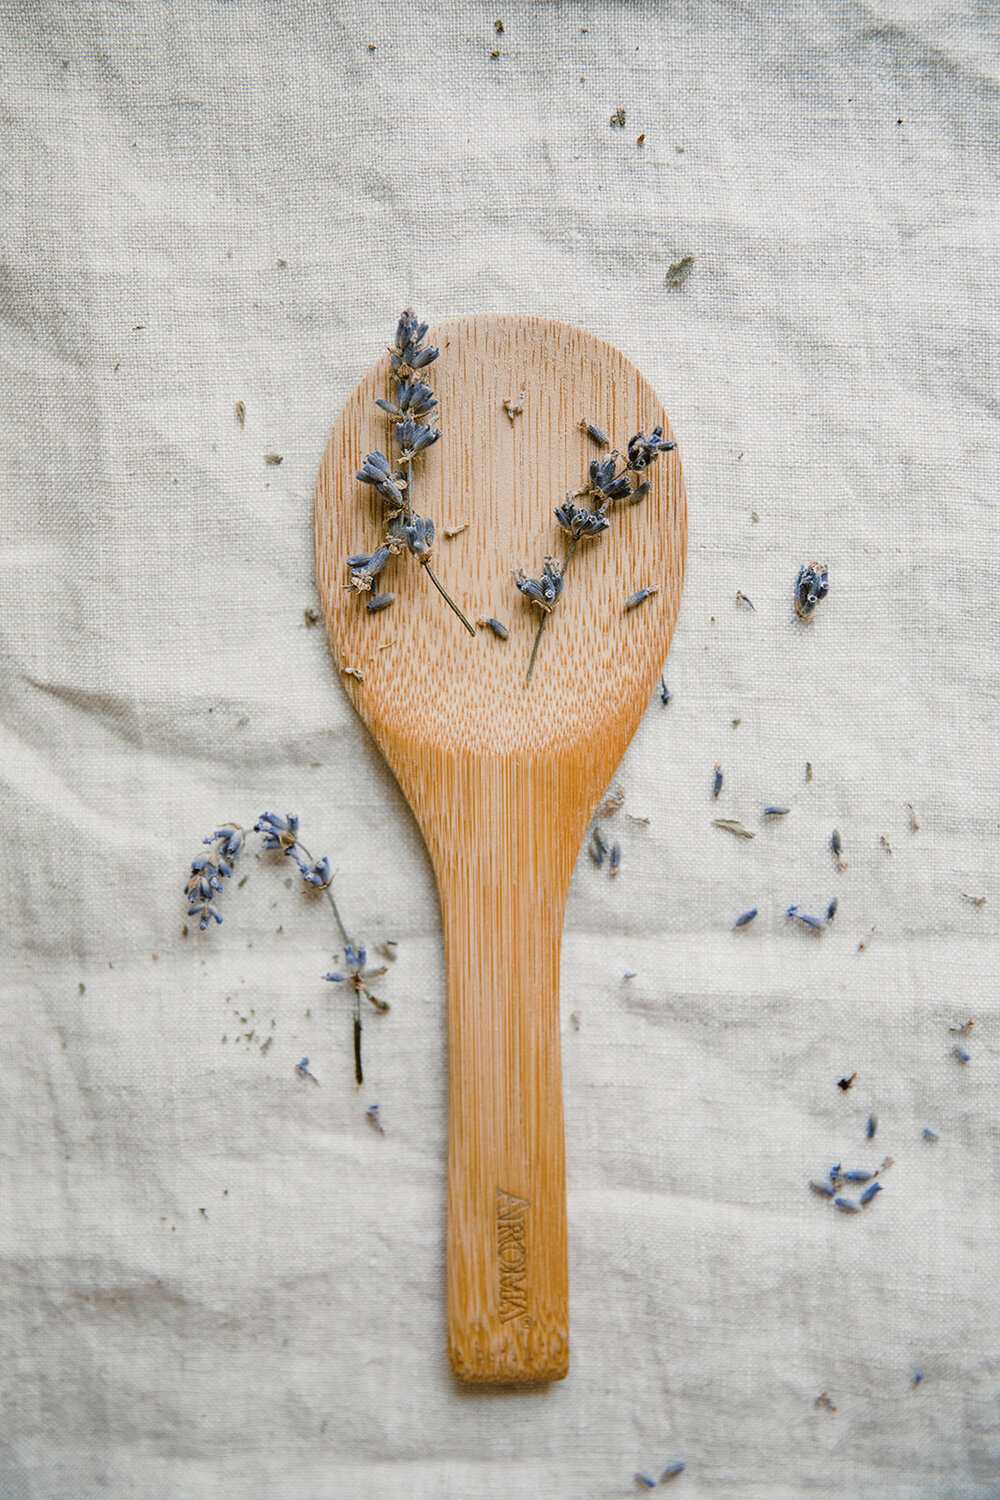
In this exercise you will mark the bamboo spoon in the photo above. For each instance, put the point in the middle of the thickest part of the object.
(503, 776)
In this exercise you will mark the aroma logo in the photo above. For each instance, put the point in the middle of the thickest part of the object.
(512, 1265)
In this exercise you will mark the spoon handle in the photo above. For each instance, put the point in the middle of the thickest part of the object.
(504, 856)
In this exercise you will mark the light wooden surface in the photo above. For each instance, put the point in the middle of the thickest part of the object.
(503, 776)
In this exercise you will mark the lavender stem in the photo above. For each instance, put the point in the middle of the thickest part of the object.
(445, 595)
(327, 891)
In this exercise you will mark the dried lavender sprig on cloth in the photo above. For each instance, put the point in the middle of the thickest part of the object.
(606, 485)
(405, 531)
(280, 834)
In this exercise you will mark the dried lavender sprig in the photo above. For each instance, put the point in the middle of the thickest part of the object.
(282, 834)
(545, 592)
(405, 530)
(606, 485)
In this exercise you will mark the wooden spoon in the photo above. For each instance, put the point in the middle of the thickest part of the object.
(503, 775)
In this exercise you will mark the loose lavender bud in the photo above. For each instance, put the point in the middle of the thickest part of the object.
(746, 918)
(823, 1189)
(846, 1205)
(379, 602)
(717, 781)
(672, 1470)
(813, 923)
(870, 1192)
(639, 597)
(811, 586)
(831, 910)
(497, 628)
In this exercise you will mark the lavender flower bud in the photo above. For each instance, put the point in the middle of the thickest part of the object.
(317, 874)
(413, 399)
(365, 567)
(580, 522)
(605, 481)
(412, 438)
(643, 451)
(418, 533)
(376, 471)
(542, 591)
(279, 833)
(811, 586)
(355, 958)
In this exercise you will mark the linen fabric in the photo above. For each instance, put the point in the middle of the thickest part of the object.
(217, 1280)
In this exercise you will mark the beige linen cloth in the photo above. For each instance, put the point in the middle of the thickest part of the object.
(217, 1280)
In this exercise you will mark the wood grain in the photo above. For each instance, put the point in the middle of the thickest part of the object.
(503, 776)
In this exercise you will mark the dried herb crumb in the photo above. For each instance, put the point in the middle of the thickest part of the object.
(241, 413)
(679, 272)
(732, 825)
(617, 121)
(274, 459)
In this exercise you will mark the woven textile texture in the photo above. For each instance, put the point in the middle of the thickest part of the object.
(217, 1281)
